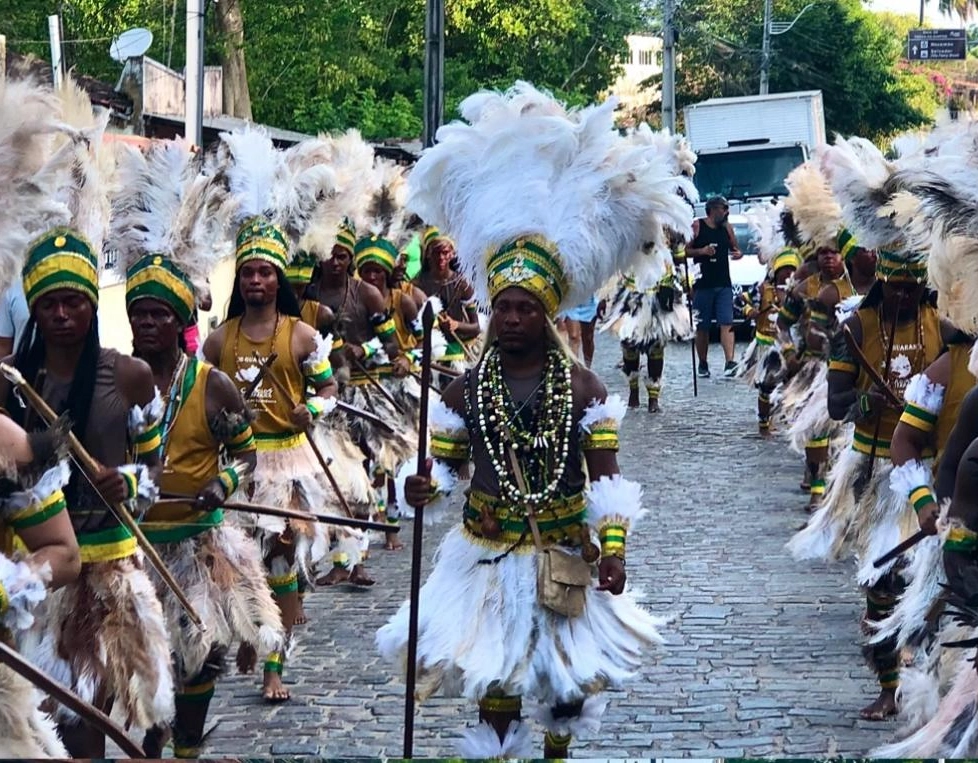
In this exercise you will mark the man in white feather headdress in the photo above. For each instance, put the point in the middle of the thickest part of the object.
(271, 202)
(165, 233)
(38, 549)
(898, 333)
(544, 205)
(104, 634)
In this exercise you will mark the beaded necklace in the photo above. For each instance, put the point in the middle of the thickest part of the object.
(541, 444)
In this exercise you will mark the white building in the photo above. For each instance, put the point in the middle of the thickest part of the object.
(644, 60)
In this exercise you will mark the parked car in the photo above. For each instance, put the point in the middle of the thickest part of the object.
(745, 273)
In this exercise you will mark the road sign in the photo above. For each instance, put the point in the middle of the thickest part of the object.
(937, 45)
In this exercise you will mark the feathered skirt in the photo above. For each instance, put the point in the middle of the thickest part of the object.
(289, 476)
(865, 524)
(640, 322)
(104, 635)
(221, 572)
(480, 628)
(25, 730)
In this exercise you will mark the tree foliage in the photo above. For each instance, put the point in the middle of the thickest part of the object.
(316, 66)
(852, 55)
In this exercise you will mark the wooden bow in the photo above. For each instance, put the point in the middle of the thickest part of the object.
(90, 467)
(89, 713)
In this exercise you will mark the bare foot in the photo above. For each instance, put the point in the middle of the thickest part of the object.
(813, 505)
(273, 690)
(633, 398)
(300, 616)
(882, 708)
(247, 657)
(653, 405)
(334, 576)
(392, 542)
(359, 577)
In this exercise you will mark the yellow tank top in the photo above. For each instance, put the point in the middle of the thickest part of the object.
(915, 346)
(309, 313)
(242, 357)
(770, 303)
(960, 384)
(190, 459)
(405, 337)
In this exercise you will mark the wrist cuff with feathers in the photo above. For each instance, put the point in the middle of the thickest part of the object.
(614, 501)
(22, 588)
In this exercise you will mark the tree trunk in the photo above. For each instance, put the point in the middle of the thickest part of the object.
(237, 100)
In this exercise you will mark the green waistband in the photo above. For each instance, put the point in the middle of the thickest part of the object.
(103, 537)
(174, 532)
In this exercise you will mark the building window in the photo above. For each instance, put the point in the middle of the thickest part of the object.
(645, 57)
(658, 58)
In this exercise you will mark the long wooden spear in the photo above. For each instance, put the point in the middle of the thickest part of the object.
(427, 321)
(91, 468)
(174, 499)
(89, 713)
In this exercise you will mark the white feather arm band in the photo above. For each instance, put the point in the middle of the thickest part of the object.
(612, 409)
(143, 492)
(26, 504)
(925, 394)
(144, 426)
(316, 367)
(913, 479)
(447, 433)
(23, 589)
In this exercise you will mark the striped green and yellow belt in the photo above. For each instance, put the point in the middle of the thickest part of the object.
(559, 523)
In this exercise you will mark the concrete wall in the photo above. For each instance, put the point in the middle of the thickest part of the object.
(114, 323)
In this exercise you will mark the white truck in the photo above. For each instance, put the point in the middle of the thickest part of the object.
(746, 146)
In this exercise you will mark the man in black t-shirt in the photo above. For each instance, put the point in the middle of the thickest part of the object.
(713, 245)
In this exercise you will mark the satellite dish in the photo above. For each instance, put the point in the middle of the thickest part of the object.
(132, 42)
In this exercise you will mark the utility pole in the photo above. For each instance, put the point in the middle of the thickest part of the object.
(194, 74)
(669, 65)
(434, 70)
(766, 48)
(57, 59)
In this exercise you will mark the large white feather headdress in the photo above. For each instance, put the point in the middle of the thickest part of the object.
(270, 201)
(536, 196)
(168, 224)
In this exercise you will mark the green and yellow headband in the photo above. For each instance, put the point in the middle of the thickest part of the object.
(433, 235)
(906, 268)
(346, 237)
(60, 259)
(532, 264)
(156, 277)
(259, 239)
(786, 258)
(846, 243)
(377, 250)
(301, 268)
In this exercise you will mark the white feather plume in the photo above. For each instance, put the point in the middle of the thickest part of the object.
(525, 166)
(165, 206)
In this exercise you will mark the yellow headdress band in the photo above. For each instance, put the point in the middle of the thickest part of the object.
(786, 258)
(432, 236)
(60, 259)
(156, 277)
(259, 239)
(532, 264)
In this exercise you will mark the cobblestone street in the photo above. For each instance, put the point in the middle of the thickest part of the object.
(761, 659)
